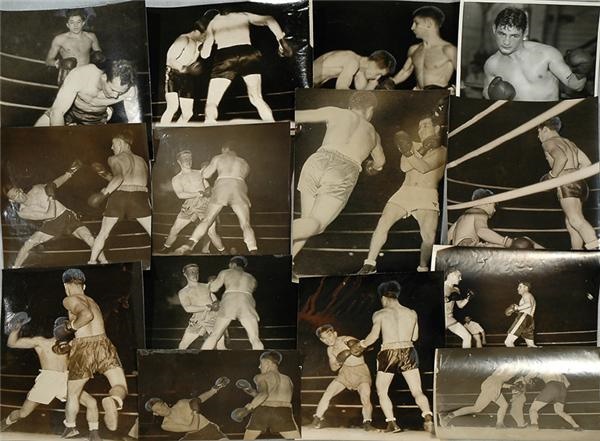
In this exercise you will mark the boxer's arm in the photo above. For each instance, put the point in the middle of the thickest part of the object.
(207, 395)
(266, 20)
(333, 363)
(377, 154)
(432, 162)
(262, 387)
(83, 314)
(582, 158)
(562, 71)
(180, 192)
(483, 340)
(16, 342)
(462, 303)
(171, 426)
(53, 52)
(62, 179)
(117, 174)
(208, 43)
(559, 159)
(322, 114)
(406, 71)
(487, 234)
(415, 334)
(374, 334)
(216, 284)
(65, 97)
(451, 52)
(186, 304)
(489, 76)
(175, 52)
(131, 106)
(95, 43)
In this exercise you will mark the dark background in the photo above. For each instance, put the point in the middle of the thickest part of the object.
(517, 163)
(39, 155)
(460, 373)
(121, 32)
(560, 282)
(280, 76)
(266, 148)
(348, 303)
(367, 26)
(276, 301)
(354, 227)
(118, 291)
(175, 375)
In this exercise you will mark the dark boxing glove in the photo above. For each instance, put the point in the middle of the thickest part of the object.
(501, 90)
(50, 190)
(343, 356)
(522, 243)
(98, 58)
(285, 50)
(403, 142)
(67, 64)
(355, 347)
(61, 347)
(194, 69)
(385, 83)
(63, 330)
(581, 62)
(370, 168)
(221, 382)
(75, 165)
(101, 171)
(433, 142)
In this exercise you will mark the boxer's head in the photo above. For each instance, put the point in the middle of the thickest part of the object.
(327, 334)
(510, 28)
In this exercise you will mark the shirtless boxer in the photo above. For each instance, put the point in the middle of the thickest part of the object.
(353, 374)
(476, 331)
(350, 69)
(185, 417)
(399, 328)
(271, 406)
(51, 382)
(236, 303)
(182, 66)
(196, 298)
(87, 94)
(75, 47)
(236, 56)
(433, 60)
(230, 189)
(565, 157)
(452, 297)
(524, 70)
(40, 204)
(191, 186)
(523, 326)
(555, 392)
(491, 392)
(329, 175)
(126, 191)
(423, 164)
(91, 351)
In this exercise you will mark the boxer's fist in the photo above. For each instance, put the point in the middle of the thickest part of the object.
(581, 62)
(370, 168)
(403, 142)
(285, 50)
(501, 90)
(239, 414)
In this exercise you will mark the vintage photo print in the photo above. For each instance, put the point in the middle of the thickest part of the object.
(68, 348)
(368, 346)
(523, 175)
(227, 62)
(73, 62)
(222, 190)
(526, 394)
(222, 302)
(75, 195)
(514, 297)
(368, 167)
(528, 51)
(384, 44)
(212, 395)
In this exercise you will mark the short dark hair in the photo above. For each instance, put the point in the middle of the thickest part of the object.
(240, 261)
(527, 284)
(432, 12)
(480, 193)
(362, 100)
(389, 289)
(189, 266)
(511, 17)
(75, 13)
(126, 137)
(122, 69)
(553, 123)
(151, 402)
(202, 23)
(384, 60)
(274, 356)
(325, 328)
(73, 275)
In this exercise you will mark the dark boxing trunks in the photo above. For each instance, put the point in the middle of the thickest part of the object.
(78, 117)
(553, 392)
(434, 87)
(127, 205)
(90, 355)
(273, 419)
(232, 61)
(577, 189)
(397, 360)
(66, 223)
(209, 432)
(523, 326)
(180, 83)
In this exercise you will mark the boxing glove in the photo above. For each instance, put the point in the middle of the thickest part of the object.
(98, 58)
(61, 347)
(17, 321)
(239, 414)
(343, 356)
(75, 165)
(501, 90)
(63, 330)
(221, 382)
(101, 171)
(355, 347)
(385, 83)
(285, 50)
(193, 69)
(433, 142)
(50, 190)
(370, 168)
(580, 62)
(245, 386)
(403, 142)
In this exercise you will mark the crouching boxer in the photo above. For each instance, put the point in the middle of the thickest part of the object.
(271, 407)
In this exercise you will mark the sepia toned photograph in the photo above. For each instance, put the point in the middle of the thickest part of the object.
(215, 395)
(73, 63)
(412, 45)
(525, 394)
(222, 190)
(75, 195)
(518, 297)
(368, 167)
(368, 344)
(523, 175)
(528, 51)
(222, 302)
(69, 344)
(227, 62)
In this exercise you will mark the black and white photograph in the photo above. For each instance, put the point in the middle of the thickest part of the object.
(528, 51)
(227, 62)
(63, 204)
(210, 395)
(549, 394)
(73, 62)
(514, 298)
(368, 168)
(366, 45)
(368, 346)
(222, 302)
(523, 175)
(69, 343)
(222, 190)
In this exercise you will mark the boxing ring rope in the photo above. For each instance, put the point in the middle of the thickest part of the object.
(24, 106)
(553, 111)
(477, 118)
(286, 92)
(538, 187)
(28, 83)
